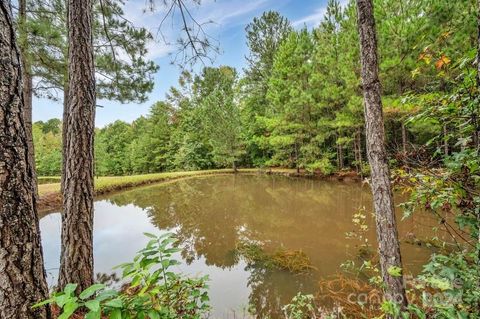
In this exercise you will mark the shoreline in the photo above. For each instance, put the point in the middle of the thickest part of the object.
(50, 198)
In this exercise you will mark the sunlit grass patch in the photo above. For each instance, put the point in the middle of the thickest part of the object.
(109, 183)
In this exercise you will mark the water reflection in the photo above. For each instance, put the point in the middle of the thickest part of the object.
(211, 215)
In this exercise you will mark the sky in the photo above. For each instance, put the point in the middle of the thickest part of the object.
(229, 20)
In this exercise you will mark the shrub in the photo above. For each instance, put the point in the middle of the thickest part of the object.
(153, 290)
(324, 165)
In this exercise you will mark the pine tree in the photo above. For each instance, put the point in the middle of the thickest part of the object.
(265, 34)
(292, 119)
(22, 275)
(386, 226)
(76, 264)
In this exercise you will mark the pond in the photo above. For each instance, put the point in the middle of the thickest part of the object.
(213, 215)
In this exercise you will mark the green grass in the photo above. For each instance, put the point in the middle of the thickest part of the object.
(107, 183)
(48, 179)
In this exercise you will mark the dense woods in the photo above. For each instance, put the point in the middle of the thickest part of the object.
(298, 102)
(389, 89)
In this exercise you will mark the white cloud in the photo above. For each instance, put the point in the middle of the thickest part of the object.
(224, 12)
(316, 17)
(312, 19)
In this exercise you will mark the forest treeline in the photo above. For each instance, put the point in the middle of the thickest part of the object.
(298, 102)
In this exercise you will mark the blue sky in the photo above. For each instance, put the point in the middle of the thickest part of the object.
(230, 17)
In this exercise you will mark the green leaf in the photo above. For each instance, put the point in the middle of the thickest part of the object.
(116, 314)
(61, 299)
(69, 310)
(394, 271)
(87, 293)
(150, 235)
(42, 303)
(165, 263)
(107, 294)
(114, 303)
(93, 305)
(93, 315)
(153, 314)
(70, 288)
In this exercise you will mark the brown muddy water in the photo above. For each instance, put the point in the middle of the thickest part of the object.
(212, 215)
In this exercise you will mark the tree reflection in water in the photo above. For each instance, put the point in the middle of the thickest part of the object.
(212, 215)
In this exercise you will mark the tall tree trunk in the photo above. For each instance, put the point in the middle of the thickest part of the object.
(477, 128)
(475, 119)
(445, 140)
(22, 277)
(359, 143)
(64, 134)
(296, 159)
(76, 264)
(357, 147)
(386, 227)
(355, 153)
(64, 116)
(339, 157)
(27, 85)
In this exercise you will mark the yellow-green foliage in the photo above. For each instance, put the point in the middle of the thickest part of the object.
(292, 260)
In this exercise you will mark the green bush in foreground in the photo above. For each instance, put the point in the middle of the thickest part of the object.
(153, 290)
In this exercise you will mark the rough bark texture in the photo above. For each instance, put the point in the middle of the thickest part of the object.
(22, 277)
(389, 246)
(27, 85)
(76, 265)
(64, 134)
(477, 130)
(475, 120)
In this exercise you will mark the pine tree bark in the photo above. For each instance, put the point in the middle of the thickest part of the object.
(22, 277)
(477, 128)
(386, 226)
(475, 120)
(64, 134)
(27, 85)
(76, 265)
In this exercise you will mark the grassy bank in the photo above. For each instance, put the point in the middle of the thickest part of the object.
(50, 197)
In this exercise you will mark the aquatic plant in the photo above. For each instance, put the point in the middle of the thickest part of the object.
(301, 307)
(294, 261)
(349, 296)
